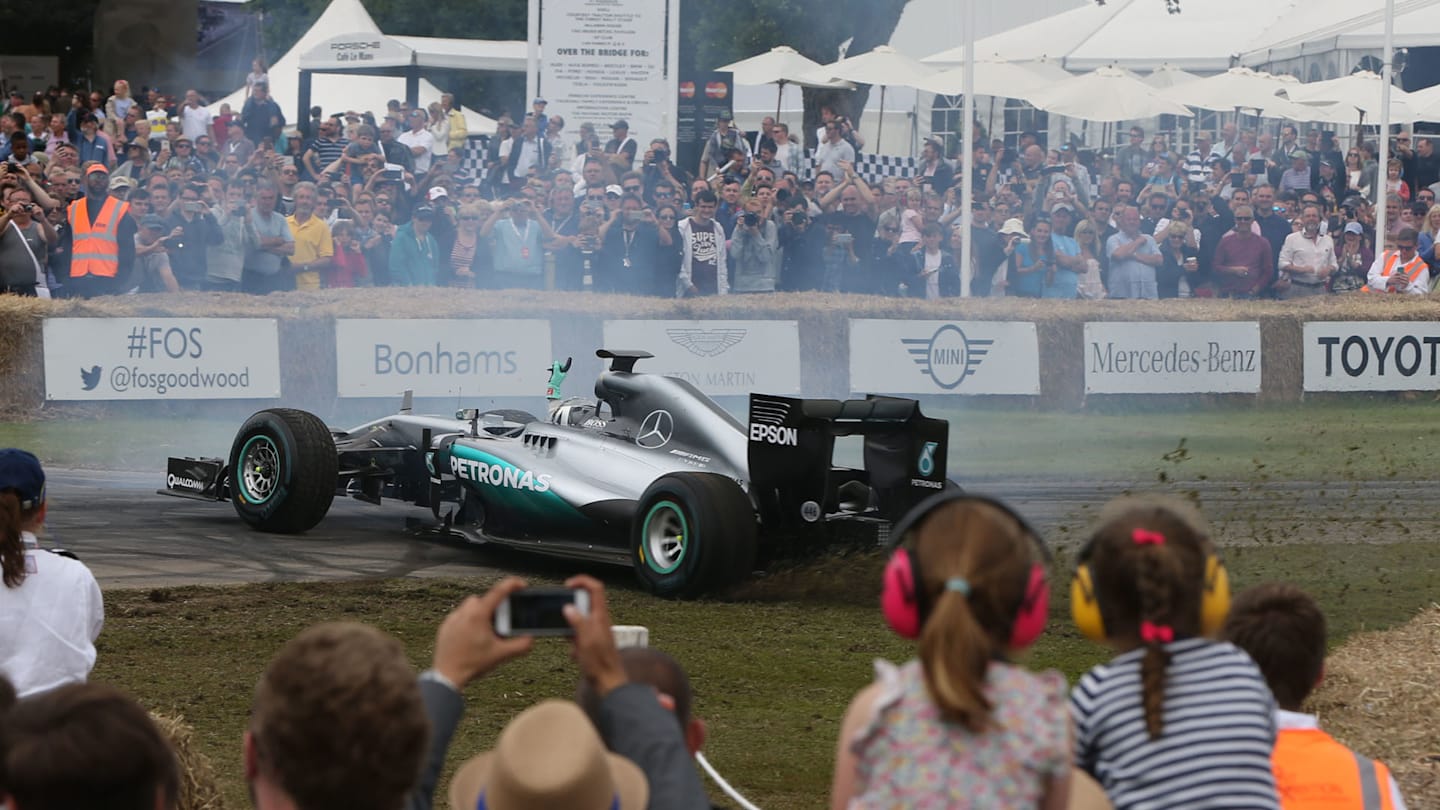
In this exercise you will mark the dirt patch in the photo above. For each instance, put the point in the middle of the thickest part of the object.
(1379, 697)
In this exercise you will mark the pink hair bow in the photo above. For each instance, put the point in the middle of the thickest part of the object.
(1145, 537)
(1156, 633)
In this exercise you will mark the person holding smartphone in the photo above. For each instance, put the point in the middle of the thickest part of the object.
(1298, 177)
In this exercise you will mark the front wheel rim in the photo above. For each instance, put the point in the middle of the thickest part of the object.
(666, 537)
(259, 469)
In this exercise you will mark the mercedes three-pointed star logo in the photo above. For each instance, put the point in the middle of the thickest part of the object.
(656, 430)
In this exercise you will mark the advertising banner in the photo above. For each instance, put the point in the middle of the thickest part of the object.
(606, 60)
(436, 358)
(161, 358)
(1372, 356)
(944, 357)
(1172, 358)
(721, 358)
(704, 95)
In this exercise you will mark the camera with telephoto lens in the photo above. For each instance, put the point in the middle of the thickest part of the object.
(798, 218)
(751, 219)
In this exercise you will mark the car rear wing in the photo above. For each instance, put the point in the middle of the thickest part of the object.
(792, 443)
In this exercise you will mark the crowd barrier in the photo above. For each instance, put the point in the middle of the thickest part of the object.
(1056, 356)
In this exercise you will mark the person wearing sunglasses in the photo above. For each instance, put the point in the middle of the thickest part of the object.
(1400, 270)
(1243, 265)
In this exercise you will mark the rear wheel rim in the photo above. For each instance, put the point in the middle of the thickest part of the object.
(259, 469)
(665, 537)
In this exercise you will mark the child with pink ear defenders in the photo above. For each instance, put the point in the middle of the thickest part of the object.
(960, 726)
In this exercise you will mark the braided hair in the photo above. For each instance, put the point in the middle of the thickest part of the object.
(1148, 564)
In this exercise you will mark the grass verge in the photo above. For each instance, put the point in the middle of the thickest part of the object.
(1322, 441)
(773, 666)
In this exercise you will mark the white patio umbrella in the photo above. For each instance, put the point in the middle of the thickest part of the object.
(779, 66)
(884, 66)
(1105, 94)
(1359, 92)
(1168, 76)
(1426, 104)
(992, 78)
(1242, 88)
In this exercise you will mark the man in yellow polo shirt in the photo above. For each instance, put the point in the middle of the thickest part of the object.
(314, 249)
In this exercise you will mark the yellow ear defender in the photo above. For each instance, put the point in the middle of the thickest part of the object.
(1089, 619)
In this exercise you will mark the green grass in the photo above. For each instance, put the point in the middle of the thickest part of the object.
(1326, 441)
(773, 673)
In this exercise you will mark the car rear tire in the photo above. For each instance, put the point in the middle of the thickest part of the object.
(693, 532)
(283, 470)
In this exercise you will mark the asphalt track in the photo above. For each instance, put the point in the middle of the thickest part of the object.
(132, 537)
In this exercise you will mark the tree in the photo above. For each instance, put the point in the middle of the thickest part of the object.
(714, 34)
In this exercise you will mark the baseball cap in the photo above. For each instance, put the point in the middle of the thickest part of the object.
(1060, 205)
(96, 167)
(436, 193)
(621, 124)
(725, 116)
(423, 212)
(1354, 227)
(538, 100)
(616, 190)
(20, 471)
(121, 182)
(152, 222)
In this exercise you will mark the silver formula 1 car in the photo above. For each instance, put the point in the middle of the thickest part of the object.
(651, 473)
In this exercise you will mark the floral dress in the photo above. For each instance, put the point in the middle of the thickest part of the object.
(907, 756)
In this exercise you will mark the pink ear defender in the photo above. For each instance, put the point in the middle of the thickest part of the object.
(903, 600)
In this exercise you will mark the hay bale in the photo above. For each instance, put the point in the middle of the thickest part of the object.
(1379, 698)
(199, 789)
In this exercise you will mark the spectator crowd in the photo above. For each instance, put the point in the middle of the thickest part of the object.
(1200, 707)
(148, 193)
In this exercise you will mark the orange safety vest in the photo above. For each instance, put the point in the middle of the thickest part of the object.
(1412, 270)
(1314, 772)
(95, 249)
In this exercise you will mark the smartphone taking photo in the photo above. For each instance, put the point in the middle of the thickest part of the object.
(539, 612)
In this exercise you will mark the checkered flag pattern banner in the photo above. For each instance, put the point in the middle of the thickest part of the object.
(874, 168)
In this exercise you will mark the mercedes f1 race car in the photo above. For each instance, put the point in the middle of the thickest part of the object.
(651, 473)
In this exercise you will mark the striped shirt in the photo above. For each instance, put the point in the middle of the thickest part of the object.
(1197, 169)
(1218, 734)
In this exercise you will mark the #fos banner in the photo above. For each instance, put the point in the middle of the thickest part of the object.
(1372, 356)
(944, 357)
(434, 358)
(1172, 358)
(161, 358)
(721, 358)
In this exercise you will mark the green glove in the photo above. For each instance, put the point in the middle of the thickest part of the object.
(557, 376)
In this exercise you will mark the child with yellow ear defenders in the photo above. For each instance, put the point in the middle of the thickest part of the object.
(1177, 720)
(959, 726)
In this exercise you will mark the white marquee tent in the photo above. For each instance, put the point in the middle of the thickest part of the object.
(336, 92)
(1208, 36)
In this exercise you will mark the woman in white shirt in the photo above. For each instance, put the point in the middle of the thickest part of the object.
(50, 606)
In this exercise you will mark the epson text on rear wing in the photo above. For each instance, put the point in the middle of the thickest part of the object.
(792, 441)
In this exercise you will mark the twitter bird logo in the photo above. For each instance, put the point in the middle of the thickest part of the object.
(90, 378)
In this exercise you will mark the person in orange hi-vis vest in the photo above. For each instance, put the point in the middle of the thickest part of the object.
(1283, 630)
(102, 239)
(1400, 270)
